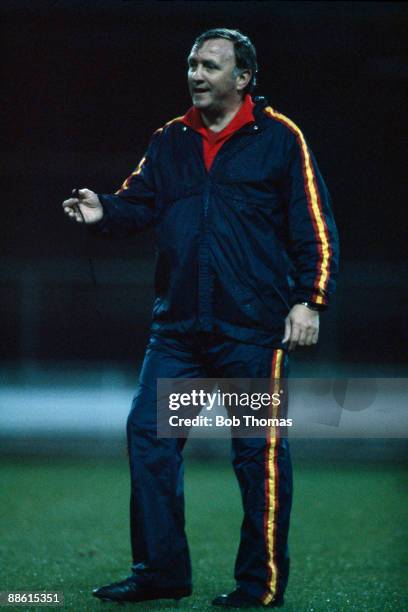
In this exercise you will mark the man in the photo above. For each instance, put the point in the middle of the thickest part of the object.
(238, 204)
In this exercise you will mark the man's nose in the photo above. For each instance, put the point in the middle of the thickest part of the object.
(196, 74)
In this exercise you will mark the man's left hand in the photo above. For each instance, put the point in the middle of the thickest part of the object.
(301, 326)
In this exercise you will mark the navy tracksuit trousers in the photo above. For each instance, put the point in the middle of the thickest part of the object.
(262, 466)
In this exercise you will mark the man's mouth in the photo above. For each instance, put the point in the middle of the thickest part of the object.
(200, 90)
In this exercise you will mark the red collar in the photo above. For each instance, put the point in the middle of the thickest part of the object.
(245, 115)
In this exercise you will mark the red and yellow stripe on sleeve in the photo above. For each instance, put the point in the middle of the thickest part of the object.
(125, 184)
(271, 484)
(315, 209)
(169, 123)
(139, 167)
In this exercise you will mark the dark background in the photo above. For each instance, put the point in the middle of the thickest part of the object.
(84, 86)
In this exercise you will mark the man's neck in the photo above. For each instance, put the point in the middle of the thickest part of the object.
(218, 120)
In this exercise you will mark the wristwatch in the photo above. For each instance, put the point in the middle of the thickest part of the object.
(311, 306)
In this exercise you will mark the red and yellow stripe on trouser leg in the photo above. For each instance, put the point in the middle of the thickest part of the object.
(271, 483)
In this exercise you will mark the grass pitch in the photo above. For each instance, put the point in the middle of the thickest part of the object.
(65, 528)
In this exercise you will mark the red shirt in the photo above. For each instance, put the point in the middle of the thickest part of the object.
(212, 141)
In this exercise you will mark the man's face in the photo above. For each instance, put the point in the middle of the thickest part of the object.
(211, 79)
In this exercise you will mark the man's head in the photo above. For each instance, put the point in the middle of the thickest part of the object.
(222, 68)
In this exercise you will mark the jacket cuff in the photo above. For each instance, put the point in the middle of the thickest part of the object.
(317, 300)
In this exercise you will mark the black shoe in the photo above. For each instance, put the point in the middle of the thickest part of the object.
(240, 599)
(131, 590)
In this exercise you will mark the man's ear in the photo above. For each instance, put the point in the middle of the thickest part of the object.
(243, 78)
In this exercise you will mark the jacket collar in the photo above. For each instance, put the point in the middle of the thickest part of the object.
(244, 116)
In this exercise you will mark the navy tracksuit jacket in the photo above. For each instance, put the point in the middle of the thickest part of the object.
(237, 246)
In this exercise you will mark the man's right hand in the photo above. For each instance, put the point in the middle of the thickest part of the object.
(88, 203)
